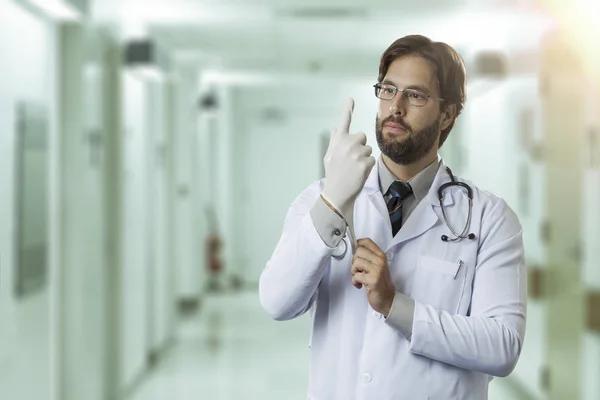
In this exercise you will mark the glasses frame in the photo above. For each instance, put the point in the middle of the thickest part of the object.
(404, 92)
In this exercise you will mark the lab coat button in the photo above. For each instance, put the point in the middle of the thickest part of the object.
(337, 232)
(367, 378)
(390, 256)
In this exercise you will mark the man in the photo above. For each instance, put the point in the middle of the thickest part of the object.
(413, 311)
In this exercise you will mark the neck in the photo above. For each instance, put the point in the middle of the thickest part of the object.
(406, 172)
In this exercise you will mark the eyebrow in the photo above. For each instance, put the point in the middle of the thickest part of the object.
(421, 88)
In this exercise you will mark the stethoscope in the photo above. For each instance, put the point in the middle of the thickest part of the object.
(463, 235)
(342, 248)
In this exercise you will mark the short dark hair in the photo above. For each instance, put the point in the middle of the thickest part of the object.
(448, 65)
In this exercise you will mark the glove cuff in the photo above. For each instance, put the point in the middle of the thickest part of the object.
(332, 206)
(349, 222)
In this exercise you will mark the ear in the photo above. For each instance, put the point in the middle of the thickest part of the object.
(448, 115)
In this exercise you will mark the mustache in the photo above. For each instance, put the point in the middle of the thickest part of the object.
(397, 121)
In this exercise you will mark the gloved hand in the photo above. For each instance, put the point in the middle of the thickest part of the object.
(348, 163)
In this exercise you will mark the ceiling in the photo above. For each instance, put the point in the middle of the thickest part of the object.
(341, 37)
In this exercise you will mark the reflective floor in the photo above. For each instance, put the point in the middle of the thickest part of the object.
(233, 350)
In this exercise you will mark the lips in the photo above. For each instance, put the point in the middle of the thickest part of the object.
(396, 127)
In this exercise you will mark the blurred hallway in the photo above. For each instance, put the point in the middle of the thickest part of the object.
(232, 350)
(149, 148)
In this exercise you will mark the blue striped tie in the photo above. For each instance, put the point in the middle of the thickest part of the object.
(399, 191)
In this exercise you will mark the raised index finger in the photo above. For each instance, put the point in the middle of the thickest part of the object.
(347, 116)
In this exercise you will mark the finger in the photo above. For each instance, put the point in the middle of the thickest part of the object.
(360, 265)
(370, 163)
(347, 116)
(361, 278)
(370, 244)
(356, 284)
(333, 133)
(367, 151)
(361, 138)
(366, 254)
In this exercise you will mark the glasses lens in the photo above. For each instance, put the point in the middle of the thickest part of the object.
(415, 97)
(385, 92)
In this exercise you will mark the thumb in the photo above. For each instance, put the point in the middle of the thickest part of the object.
(334, 132)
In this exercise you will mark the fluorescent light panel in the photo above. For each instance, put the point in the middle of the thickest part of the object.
(57, 9)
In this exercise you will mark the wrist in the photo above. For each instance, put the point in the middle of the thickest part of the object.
(329, 204)
(344, 208)
(387, 308)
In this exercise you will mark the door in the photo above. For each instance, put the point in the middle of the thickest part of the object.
(82, 327)
(160, 299)
(135, 273)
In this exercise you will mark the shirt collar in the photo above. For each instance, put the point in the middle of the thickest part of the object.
(420, 183)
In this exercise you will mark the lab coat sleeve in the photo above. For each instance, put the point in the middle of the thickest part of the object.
(490, 338)
(327, 223)
(289, 282)
(401, 315)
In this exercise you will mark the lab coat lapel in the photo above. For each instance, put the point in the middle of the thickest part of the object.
(373, 190)
(424, 216)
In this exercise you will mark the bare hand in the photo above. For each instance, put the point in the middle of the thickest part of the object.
(370, 269)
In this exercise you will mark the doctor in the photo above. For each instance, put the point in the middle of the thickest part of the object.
(430, 301)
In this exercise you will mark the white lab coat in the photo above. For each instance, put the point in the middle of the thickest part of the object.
(470, 298)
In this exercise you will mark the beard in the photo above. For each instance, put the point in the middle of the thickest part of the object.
(410, 149)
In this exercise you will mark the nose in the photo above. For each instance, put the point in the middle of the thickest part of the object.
(398, 105)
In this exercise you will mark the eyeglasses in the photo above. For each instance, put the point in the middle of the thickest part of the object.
(415, 97)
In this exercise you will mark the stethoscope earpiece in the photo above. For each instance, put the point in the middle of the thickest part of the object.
(445, 238)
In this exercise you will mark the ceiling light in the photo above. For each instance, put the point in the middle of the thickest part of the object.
(58, 9)
(323, 12)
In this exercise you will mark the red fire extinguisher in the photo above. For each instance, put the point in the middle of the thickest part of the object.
(215, 265)
(214, 244)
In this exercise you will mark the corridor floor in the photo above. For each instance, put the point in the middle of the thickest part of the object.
(232, 350)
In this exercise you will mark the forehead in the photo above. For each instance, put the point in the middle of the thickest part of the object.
(412, 71)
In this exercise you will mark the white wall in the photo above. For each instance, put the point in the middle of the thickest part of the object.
(28, 72)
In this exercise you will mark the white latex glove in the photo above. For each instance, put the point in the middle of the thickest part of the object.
(348, 163)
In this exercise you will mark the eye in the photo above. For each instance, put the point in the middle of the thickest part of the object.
(388, 89)
(416, 95)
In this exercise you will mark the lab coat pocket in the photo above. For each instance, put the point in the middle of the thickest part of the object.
(439, 283)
